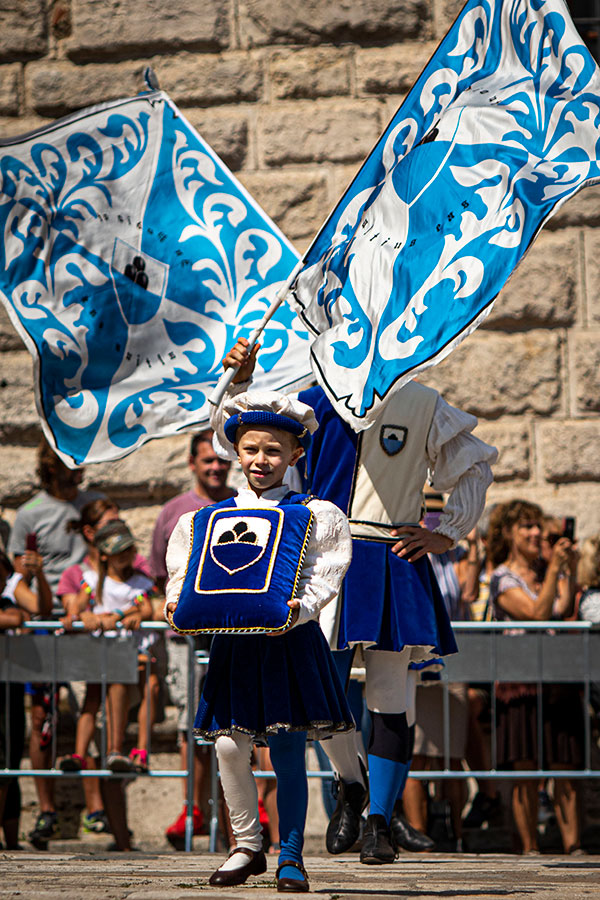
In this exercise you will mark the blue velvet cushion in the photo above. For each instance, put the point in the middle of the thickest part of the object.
(243, 568)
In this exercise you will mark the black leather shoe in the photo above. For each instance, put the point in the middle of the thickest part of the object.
(344, 827)
(292, 885)
(377, 845)
(256, 865)
(407, 837)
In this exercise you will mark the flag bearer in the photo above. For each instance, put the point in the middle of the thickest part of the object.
(391, 609)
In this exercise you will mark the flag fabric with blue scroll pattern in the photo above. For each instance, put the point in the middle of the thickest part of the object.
(500, 129)
(131, 258)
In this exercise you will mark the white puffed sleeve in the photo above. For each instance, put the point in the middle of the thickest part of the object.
(221, 445)
(460, 464)
(178, 554)
(327, 559)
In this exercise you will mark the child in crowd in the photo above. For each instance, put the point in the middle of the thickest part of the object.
(115, 593)
(275, 688)
(17, 604)
(93, 517)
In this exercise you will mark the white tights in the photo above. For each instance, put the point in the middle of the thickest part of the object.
(239, 786)
(390, 688)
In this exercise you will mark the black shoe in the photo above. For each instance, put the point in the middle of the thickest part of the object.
(256, 865)
(344, 828)
(45, 828)
(407, 837)
(377, 845)
(292, 885)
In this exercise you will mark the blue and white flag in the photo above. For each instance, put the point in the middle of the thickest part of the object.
(131, 260)
(499, 130)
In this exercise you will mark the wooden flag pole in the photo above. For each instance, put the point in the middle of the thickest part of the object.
(228, 375)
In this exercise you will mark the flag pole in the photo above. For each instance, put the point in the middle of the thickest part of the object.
(228, 375)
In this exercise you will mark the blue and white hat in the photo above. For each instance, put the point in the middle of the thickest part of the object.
(269, 408)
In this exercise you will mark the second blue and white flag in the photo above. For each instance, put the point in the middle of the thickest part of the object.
(499, 130)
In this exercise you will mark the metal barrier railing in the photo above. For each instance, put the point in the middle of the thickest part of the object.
(489, 652)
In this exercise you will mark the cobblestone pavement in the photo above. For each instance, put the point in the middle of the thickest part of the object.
(170, 876)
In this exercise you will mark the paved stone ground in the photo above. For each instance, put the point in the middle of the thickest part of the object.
(144, 876)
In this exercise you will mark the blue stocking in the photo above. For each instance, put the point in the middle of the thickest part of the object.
(289, 762)
(389, 761)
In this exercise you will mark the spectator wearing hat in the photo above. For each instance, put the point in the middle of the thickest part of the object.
(115, 594)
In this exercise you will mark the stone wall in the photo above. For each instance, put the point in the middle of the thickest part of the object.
(293, 95)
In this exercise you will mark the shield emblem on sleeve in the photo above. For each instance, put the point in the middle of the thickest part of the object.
(392, 438)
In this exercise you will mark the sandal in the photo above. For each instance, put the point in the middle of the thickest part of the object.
(73, 763)
(295, 885)
(139, 759)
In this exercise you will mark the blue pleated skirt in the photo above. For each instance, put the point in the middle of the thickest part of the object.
(260, 685)
(390, 604)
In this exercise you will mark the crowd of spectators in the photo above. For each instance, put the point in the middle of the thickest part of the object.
(70, 556)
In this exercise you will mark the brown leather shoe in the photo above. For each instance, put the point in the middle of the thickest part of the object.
(290, 885)
(256, 865)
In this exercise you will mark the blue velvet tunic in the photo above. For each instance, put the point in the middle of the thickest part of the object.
(259, 684)
(387, 602)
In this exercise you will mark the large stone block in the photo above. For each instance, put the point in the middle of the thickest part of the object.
(18, 479)
(19, 422)
(391, 70)
(13, 126)
(10, 84)
(444, 14)
(318, 132)
(315, 21)
(568, 450)
(226, 132)
(56, 87)
(9, 339)
(544, 288)
(298, 203)
(303, 74)
(494, 374)
(152, 474)
(592, 274)
(582, 209)
(103, 28)
(512, 440)
(23, 31)
(585, 356)
(209, 79)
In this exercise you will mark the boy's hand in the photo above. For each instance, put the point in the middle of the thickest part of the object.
(239, 358)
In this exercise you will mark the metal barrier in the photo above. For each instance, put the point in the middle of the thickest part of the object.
(60, 657)
(489, 652)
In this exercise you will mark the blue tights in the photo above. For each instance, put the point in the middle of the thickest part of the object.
(289, 762)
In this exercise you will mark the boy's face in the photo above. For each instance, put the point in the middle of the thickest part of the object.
(265, 454)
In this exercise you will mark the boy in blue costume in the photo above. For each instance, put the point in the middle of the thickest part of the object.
(377, 478)
(281, 687)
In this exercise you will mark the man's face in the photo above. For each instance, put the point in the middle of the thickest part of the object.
(210, 470)
(68, 480)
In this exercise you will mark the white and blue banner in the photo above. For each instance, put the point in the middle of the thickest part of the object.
(502, 126)
(131, 260)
